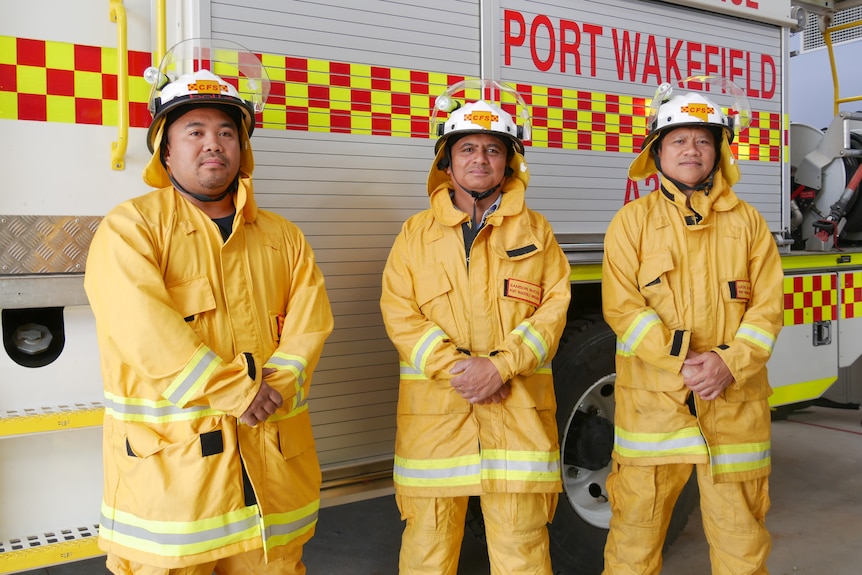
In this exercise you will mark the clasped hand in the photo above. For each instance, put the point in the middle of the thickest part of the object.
(478, 381)
(705, 374)
(264, 403)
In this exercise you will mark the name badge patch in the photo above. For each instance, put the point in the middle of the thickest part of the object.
(523, 290)
(740, 289)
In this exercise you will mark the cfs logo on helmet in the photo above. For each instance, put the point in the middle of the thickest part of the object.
(483, 119)
(207, 87)
(699, 111)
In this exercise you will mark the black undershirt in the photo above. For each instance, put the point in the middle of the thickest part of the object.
(225, 226)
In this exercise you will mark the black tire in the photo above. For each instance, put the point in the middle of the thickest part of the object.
(584, 379)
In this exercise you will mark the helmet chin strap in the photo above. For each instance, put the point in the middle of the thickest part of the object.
(478, 196)
(203, 198)
(705, 186)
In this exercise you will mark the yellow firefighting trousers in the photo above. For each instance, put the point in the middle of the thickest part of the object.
(642, 500)
(241, 564)
(516, 528)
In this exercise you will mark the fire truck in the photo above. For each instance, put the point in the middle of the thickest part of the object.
(342, 148)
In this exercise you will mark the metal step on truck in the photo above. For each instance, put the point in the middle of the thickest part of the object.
(343, 149)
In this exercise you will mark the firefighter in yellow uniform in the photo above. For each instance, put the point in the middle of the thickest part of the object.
(475, 294)
(692, 286)
(210, 315)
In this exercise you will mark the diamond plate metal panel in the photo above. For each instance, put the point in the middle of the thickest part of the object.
(45, 244)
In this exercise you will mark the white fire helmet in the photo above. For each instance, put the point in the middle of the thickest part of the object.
(206, 71)
(695, 108)
(483, 115)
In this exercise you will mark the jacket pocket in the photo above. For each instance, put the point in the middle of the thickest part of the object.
(432, 284)
(186, 472)
(433, 295)
(654, 284)
(192, 297)
(294, 435)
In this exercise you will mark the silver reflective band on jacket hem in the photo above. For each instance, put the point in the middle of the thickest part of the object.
(686, 441)
(740, 457)
(177, 538)
(471, 469)
(148, 411)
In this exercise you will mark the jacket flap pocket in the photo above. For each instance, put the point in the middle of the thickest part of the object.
(192, 296)
(653, 267)
(294, 435)
(432, 283)
(143, 441)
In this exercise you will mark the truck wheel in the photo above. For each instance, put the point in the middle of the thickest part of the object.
(584, 378)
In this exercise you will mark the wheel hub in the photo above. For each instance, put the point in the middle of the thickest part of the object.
(590, 441)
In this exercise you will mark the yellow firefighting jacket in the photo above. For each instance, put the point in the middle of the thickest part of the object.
(185, 324)
(705, 278)
(509, 305)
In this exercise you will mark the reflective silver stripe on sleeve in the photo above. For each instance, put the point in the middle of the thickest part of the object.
(756, 336)
(639, 328)
(533, 339)
(204, 362)
(425, 345)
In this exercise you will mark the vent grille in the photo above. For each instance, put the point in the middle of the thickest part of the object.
(49, 538)
(812, 38)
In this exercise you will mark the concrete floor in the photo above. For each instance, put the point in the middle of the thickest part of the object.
(816, 516)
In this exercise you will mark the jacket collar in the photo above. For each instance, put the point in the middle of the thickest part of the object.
(720, 198)
(511, 203)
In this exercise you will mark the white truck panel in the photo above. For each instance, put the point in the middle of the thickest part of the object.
(50, 481)
(73, 164)
(85, 23)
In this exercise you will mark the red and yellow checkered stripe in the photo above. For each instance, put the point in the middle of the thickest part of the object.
(810, 298)
(60, 82)
(70, 83)
(851, 295)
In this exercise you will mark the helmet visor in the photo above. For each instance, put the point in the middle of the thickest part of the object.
(228, 60)
(493, 92)
(730, 97)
